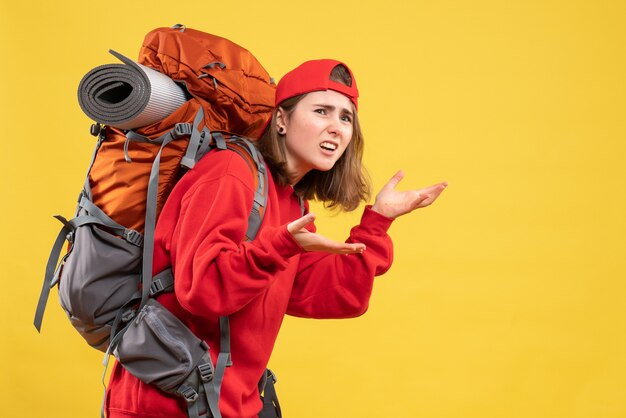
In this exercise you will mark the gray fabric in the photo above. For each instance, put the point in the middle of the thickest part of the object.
(87, 187)
(199, 391)
(260, 195)
(98, 281)
(192, 410)
(159, 349)
(214, 63)
(271, 407)
(162, 282)
(179, 130)
(254, 222)
(103, 219)
(220, 142)
(48, 277)
(205, 144)
(133, 136)
(220, 368)
(225, 338)
(189, 160)
(150, 222)
(212, 394)
(302, 207)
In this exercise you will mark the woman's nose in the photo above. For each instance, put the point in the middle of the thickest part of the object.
(334, 126)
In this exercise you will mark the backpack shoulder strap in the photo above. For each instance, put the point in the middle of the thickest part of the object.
(253, 158)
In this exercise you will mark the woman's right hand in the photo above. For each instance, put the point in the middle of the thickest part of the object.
(311, 241)
(393, 203)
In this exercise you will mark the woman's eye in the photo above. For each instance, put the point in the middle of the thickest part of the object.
(321, 111)
(346, 118)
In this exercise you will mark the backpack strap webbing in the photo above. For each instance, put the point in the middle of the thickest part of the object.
(223, 360)
(196, 142)
(271, 407)
(162, 283)
(199, 391)
(51, 273)
(209, 387)
(180, 130)
(251, 155)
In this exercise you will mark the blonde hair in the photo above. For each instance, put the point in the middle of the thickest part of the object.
(342, 187)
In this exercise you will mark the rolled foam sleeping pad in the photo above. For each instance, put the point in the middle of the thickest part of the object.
(128, 95)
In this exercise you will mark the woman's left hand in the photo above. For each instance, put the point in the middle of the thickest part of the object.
(393, 203)
(311, 241)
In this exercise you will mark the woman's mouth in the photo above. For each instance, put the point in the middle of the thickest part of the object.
(328, 146)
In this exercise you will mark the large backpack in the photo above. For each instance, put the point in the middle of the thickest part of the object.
(105, 279)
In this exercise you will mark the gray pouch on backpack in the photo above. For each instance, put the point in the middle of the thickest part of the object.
(159, 349)
(96, 284)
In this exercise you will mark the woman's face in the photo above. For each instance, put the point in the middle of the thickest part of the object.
(317, 132)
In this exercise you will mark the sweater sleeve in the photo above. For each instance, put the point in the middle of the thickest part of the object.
(217, 273)
(340, 286)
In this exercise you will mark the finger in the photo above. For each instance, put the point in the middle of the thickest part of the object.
(300, 223)
(391, 184)
(419, 201)
(439, 187)
(436, 192)
(322, 243)
(344, 248)
(431, 197)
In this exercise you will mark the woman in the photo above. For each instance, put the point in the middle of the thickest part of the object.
(313, 146)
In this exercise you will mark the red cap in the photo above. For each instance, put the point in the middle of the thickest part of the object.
(314, 76)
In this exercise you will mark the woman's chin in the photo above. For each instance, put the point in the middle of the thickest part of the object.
(325, 165)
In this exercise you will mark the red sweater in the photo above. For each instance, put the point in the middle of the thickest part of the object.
(199, 234)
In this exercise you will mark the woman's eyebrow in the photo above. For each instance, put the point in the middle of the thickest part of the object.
(331, 108)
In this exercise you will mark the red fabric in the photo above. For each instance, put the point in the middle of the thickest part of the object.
(256, 283)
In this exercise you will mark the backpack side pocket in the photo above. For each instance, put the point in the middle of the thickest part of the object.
(100, 275)
(159, 349)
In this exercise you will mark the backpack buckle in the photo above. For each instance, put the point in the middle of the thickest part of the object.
(188, 393)
(156, 287)
(272, 376)
(95, 129)
(128, 315)
(182, 129)
(133, 237)
(206, 372)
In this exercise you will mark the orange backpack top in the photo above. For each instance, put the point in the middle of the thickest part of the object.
(234, 91)
(227, 76)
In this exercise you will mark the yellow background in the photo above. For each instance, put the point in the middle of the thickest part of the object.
(506, 298)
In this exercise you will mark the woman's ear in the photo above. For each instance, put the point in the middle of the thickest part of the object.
(281, 120)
